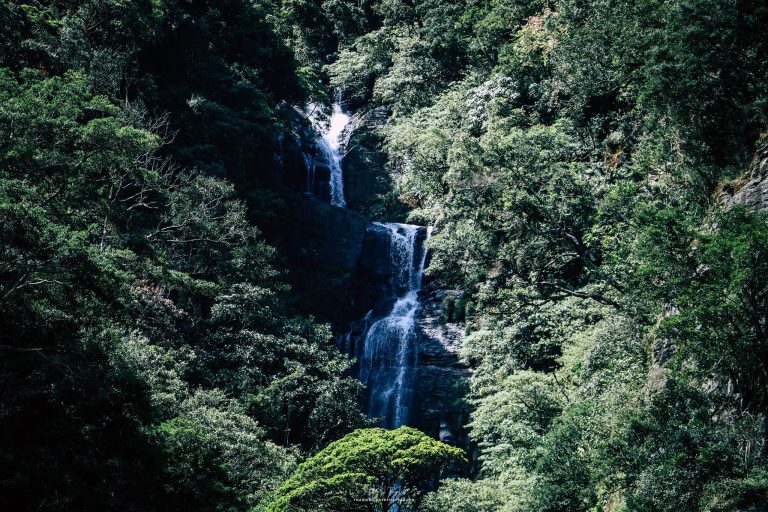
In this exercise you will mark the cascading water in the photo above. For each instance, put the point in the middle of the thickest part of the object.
(388, 354)
(333, 138)
(386, 347)
(329, 145)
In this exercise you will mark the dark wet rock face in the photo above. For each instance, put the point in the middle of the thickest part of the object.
(436, 377)
(322, 244)
(364, 164)
(387, 348)
(309, 162)
(365, 278)
(292, 146)
(318, 173)
(374, 273)
(442, 376)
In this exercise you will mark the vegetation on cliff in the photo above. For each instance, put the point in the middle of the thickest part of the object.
(571, 156)
(148, 360)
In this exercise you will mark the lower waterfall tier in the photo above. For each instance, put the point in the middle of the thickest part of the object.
(388, 355)
(405, 352)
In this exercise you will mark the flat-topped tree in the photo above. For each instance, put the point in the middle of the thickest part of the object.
(368, 470)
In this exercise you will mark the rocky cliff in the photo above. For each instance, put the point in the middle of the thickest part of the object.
(341, 266)
(441, 382)
(751, 190)
(322, 243)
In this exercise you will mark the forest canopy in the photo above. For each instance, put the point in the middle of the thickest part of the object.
(595, 173)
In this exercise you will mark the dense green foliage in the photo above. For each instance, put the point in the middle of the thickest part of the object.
(571, 156)
(367, 470)
(148, 360)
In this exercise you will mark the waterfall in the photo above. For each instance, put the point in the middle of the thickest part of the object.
(333, 138)
(386, 347)
(328, 145)
(388, 356)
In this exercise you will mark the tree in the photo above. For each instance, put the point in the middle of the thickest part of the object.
(367, 470)
(721, 322)
(144, 321)
(461, 495)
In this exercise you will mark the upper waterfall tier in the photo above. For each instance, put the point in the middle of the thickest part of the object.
(328, 156)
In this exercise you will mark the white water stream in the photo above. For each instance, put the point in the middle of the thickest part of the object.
(329, 146)
(388, 356)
